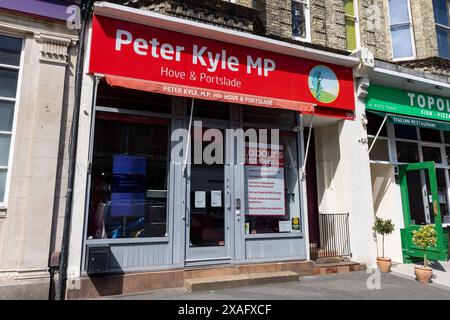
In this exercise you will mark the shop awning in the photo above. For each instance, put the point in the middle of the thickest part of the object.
(417, 122)
(206, 94)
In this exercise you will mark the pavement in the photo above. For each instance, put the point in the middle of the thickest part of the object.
(341, 286)
(441, 271)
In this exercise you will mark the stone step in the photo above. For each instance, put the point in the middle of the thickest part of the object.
(239, 280)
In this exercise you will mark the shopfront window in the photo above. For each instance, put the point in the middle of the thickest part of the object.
(129, 177)
(431, 154)
(10, 55)
(405, 132)
(407, 151)
(272, 191)
(275, 117)
(380, 149)
(430, 135)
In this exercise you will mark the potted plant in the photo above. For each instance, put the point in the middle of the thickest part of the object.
(383, 228)
(423, 238)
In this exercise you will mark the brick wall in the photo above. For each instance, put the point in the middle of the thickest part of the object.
(424, 28)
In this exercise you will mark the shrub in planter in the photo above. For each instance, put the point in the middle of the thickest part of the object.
(383, 228)
(423, 238)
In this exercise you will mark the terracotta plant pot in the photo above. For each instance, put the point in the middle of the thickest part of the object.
(423, 274)
(384, 264)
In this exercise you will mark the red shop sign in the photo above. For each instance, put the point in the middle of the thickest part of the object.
(153, 59)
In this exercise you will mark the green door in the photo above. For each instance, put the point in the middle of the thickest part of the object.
(421, 206)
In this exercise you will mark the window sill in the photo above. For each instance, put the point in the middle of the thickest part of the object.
(128, 240)
(274, 235)
(307, 40)
(3, 212)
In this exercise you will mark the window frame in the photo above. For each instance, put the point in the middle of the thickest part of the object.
(16, 103)
(355, 18)
(411, 31)
(307, 38)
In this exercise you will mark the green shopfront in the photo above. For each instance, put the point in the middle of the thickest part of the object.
(409, 146)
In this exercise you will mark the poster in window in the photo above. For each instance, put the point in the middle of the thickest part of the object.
(264, 180)
(128, 186)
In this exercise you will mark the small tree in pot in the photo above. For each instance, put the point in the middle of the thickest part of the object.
(383, 228)
(423, 238)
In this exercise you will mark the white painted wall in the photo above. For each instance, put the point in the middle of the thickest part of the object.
(343, 179)
(387, 204)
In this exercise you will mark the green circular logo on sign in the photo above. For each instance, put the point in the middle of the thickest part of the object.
(323, 84)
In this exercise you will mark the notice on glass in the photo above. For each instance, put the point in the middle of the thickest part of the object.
(216, 198)
(200, 199)
(264, 185)
(284, 226)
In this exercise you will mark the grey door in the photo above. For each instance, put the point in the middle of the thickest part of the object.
(210, 204)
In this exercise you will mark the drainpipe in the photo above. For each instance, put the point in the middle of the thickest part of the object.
(86, 12)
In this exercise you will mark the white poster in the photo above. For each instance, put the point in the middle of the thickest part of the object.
(264, 185)
(216, 198)
(200, 199)
(284, 226)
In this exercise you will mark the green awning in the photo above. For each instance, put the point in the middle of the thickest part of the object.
(417, 122)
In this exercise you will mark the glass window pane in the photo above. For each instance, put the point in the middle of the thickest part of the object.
(441, 12)
(298, 19)
(407, 152)
(401, 42)
(2, 184)
(210, 109)
(446, 136)
(6, 115)
(442, 190)
(447, 152)
(350, 33)
(10, 49)
(349, 7)
(380, 150)
(405, 132)
(8, 83)
(431, 154)
(122, 98)
(283, 118)
(443, 42)
(398, 11)
(129, 177)
(431, 135)
(260, 216)
(374, 123)
(5, 141)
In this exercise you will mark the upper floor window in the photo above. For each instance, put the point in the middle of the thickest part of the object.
(10, 53)
(441, 17)
(351, 24)
(300, 19)
(401, 29)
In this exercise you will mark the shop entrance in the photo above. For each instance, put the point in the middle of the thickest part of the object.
(421, 201)
(209, 217)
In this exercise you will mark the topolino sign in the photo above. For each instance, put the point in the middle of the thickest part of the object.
(164, 61)
(409, 103)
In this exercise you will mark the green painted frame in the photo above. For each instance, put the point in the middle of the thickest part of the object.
(411, 252)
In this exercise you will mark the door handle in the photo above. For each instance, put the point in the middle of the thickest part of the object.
(229, 200)
(238, 207)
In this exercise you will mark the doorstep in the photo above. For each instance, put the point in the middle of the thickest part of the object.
(239, 280)
(338, 267)
(132, 283)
